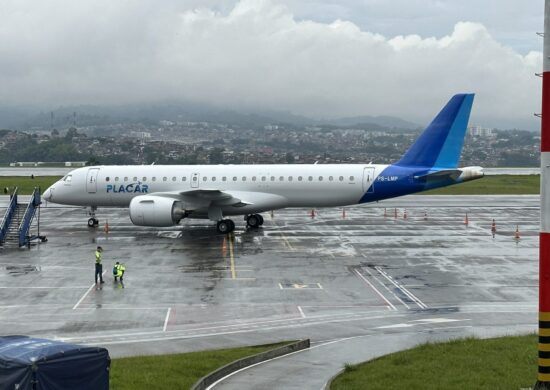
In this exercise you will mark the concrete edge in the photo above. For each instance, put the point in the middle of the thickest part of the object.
(222, 372)
(329, 382)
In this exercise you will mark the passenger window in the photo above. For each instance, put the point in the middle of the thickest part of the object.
(281, 178)
(272, 178)
(299, 178)
(263, 178)
(106, 179)
(204, 178)
(331, 178)
(144, 178)
(290, 178)
(213, 178)
(253, 178)
(135, 178)
(320, 178)
(154, 178)
(116, 178)
(164, 178)
(174, 178)
(351, 178)
(310, 178)
(195, 178)
(341, 178)
(184, 178)
(126, 178)
(224, 178)
(244, 178)
(234, 178)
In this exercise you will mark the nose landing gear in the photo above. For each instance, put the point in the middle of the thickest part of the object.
(92, 222)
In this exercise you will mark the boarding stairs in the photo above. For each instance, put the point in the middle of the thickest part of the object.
(19, 218)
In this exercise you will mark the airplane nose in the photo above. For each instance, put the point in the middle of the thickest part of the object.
(48, 194)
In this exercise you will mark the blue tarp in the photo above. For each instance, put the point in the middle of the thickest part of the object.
(39, 364)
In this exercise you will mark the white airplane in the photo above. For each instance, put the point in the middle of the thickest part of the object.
(163, 195)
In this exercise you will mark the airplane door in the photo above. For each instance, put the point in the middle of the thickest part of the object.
(195, 180)
(368, 180)
(91, 180)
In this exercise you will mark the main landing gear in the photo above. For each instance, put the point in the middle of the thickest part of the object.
(225, 226)
(92, 222)
(254, 220)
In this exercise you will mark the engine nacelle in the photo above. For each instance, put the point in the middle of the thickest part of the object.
(150, 210)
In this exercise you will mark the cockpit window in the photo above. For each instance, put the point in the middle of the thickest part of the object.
(68, 178)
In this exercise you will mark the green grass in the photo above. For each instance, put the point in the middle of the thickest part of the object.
(178, 371)
(493, 185)
(501, 363)
(26, 184)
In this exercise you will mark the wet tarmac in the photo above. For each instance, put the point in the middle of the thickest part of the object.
(359, 285)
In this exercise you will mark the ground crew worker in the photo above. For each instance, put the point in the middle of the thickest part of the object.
(118, 271)
(98, 265)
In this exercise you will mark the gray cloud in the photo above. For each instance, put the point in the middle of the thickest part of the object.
(255, 54)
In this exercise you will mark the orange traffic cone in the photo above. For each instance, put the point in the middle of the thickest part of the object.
(466, 220)
(425, 215)
(405, 214)
(106, 227)
(516, 235)
(395, 213)
(494, 227)
(312, 213)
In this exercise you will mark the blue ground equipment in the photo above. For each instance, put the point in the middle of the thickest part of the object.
(39, 364)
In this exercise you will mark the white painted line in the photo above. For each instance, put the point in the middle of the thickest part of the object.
(86, 293)
(319, 284)
(403, 289)
(386, 287)
(374, 288)
(42, 287)
(166, 319)
(301, 311)
(281, 286)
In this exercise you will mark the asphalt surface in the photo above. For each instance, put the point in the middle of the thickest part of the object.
(358, 286)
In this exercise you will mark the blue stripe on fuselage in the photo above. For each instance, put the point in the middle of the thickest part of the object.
(397, 181)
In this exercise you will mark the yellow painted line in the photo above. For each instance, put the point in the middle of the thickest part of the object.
(545, 332)
(544, 347)
(232, 256)
(544, 316)
(543, 377)
(544, 362)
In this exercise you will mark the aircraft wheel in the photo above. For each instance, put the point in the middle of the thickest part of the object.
(253, 221)
(225, 226)
(92, 222)
(261, 219)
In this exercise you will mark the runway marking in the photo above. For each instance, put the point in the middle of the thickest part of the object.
(41, 287)
(301, 311)
(86, 293)
(166, 319)
(386, 288)
(232, 257)
(376, 290)
(402, 288)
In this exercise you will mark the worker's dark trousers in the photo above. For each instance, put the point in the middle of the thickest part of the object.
(98, 272)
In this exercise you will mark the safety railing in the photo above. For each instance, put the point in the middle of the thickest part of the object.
(25, 226)
(8, 216)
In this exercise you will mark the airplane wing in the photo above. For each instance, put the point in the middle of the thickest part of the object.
(198, 198)
(439, 175)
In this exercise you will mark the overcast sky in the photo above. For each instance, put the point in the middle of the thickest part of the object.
(311, 57)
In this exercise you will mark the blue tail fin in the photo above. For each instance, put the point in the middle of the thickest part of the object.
(440, 144)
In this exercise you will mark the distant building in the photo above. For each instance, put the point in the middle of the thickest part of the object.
(75, 163)
(478, 131)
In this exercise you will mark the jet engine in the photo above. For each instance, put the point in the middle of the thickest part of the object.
(150, 210)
